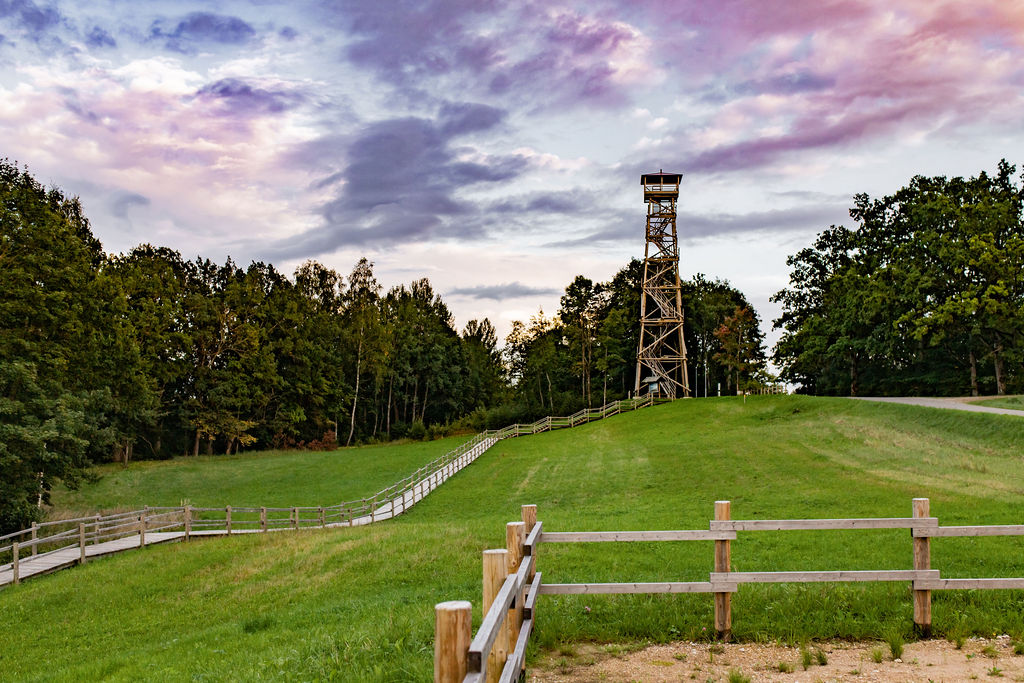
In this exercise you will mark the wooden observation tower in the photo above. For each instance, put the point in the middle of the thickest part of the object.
(661, 359)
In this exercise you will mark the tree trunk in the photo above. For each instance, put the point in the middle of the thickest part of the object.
(551, 399)
(997, 360)
(355, 397)
(209, 446)
(854, 377)
(231, 442)
(391, 382)
(974, 374)
(195, 445)
(423, 410)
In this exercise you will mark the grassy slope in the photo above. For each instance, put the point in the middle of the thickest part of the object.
(1011, 402)
(357, 604)
(271, 478)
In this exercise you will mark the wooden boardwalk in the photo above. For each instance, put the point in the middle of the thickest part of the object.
(101, 536)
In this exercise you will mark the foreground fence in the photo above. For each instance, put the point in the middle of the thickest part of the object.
(48, 546)
(512, 583)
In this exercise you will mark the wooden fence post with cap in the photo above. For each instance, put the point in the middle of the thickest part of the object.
(96, 530)
(723, 601)
(263, 519)
(142, 527)
(514, 539)
(495, 572)
(922, 561)
(453, 632)
(188, 521)
(81, 543)
(15, 551)
(227, 518)
(35, 530)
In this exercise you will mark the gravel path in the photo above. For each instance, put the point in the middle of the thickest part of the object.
(950, 403)
(927, 660)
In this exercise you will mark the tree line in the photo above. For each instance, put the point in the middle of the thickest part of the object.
(145, 354)
(924, 296)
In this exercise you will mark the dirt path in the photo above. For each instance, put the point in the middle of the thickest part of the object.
(950, 403)
(930, 660)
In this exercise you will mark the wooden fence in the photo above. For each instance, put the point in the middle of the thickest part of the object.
(48, 546)
(512, 584)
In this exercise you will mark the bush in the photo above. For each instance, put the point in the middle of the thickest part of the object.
(417, 431)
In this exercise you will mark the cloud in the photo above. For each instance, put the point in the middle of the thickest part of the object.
(239, 97)
(98, 37)
(543, 56)
(696, 226)
(31, 19)
(126, 200)
(199, 28)
(510, 290)
(401, 181)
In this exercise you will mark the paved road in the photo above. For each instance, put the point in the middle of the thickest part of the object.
(950, 403)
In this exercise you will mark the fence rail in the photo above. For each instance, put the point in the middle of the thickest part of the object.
(48, 546)
(497, 652)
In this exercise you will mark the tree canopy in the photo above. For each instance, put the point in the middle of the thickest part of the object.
(924, 296)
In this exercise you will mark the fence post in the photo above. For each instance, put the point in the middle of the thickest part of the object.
(514, 539)
(723, 601)
(263, 518)
(14, 562)
(922, 561)
(453, 632)
(295, 518)
(495, 572)
(321, 511)
(142, 527)
(227, 518)
(529, 521)
(35, 529)
(96, 530)
(81, 543)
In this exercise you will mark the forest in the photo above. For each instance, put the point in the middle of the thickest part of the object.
(924, 296)
(146, 354)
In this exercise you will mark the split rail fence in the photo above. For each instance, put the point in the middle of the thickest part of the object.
(49, 546)
(511, 582)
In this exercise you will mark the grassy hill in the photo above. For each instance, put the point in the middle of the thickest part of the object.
(271, 478)
(357, 604)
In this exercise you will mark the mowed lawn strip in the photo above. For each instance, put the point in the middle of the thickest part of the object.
(357, 604)
(266, 478)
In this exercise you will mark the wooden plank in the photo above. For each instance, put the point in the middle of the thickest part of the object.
(720, 586)
(534, 538)
(614, 536)
(514, 664)
(970, 584)
(818, 524)
(971, 531)
(831, 576)
(531, 597)
(491, 624)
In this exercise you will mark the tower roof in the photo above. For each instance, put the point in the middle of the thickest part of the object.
(660, 178)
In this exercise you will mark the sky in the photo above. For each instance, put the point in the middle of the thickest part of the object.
(496, 147)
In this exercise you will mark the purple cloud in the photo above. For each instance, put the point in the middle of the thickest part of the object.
(29, 17)
(98, 37)
(510, 290)
(401, 180)
(203, 28)
(238, 97)
(544, 55)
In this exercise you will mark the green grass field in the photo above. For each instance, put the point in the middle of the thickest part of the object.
(357, 604)
(270, 478)
(1011, 402)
